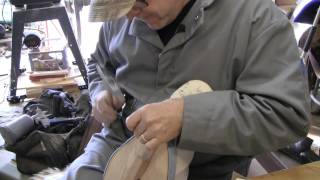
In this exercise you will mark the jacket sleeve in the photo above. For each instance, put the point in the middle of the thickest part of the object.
(100, 59)
(268, 108)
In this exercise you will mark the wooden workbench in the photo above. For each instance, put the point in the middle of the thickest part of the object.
(309, 171)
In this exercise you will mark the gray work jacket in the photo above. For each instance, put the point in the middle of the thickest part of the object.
(244, 49)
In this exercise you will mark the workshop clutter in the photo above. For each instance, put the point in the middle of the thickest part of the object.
(49, 68)
(50, 60)
(49, 133)
(51, 63)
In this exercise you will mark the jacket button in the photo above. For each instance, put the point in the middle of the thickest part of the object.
(196, 18)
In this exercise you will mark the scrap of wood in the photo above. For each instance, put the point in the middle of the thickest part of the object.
(38, 75)
(56, 80)
(27, 84)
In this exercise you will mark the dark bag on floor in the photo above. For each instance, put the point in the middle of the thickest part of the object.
(58, 144)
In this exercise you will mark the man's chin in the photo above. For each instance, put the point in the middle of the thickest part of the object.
(155, 26)
(151, 24)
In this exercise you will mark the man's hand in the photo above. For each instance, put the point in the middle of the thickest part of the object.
(105, 107)
(157, 123)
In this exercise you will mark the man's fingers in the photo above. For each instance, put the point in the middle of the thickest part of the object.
(97, 116)
(107, 98)
(106, 109)
(133, 120)
(116, 103)
(153, 144)
(101, 101)
(105, 114)
(146, 136)
(103, 104)
(142, 139)
(141, 127)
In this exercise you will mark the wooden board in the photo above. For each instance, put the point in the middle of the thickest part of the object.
(127, 163)
(304, 172)
(25, 83)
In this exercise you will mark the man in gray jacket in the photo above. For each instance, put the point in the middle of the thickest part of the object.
(244, 49)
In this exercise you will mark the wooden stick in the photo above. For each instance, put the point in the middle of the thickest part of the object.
(45, 84)
(55, 80)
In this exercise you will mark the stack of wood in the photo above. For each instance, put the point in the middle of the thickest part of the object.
(34, 86)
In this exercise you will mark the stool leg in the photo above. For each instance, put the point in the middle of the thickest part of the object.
(68, 32)
(77, 8)
(17, 33)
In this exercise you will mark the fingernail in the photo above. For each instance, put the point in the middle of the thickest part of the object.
(127, 119)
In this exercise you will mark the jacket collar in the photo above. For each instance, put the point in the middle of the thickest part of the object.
(191, 23)
(141, 30)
